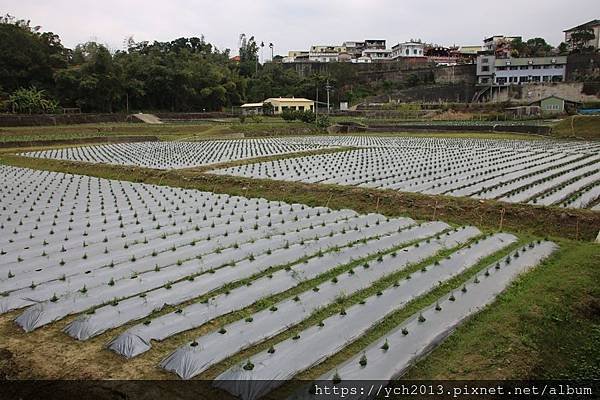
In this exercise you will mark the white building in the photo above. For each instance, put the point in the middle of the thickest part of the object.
(377, 54)
(280, 104)
(408, 49)
(518, 71)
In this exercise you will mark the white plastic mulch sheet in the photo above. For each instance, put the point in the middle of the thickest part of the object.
(317, 343)
(168, 155)
(179, 250)
(514, 171)
(114, 315)
(138, 339)
(207, 350)
(389, 357)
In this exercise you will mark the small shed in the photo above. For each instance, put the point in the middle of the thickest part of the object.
(555, 105)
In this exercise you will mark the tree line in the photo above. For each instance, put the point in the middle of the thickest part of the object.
(39, 74)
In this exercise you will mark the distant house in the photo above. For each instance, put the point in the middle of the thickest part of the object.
(593, 25)
(280, 104)
(377, 54)
(555, 105)
(408, 49)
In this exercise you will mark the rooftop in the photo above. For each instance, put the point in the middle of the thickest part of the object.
(590, 24)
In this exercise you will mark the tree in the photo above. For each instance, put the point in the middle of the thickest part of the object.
(535, 47)
(248, 56)
(563, 48)
(31, 101)
(538, 47)
(580, 38)
(28, 56)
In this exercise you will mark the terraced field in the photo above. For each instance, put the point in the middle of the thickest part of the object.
(92, 255)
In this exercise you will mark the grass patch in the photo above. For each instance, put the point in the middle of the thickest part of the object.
(545, 326)
(578, 126)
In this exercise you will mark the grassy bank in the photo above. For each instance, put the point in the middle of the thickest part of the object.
(578, 126)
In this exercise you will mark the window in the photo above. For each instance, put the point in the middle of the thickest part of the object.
(537, 67)
(485, 68)
(513, 79)
(559, 66)
(535, 79)
(546, 78)
(407, 52)
(557, 78)
(501, 68)
(514, 68)
(547, 66)
(415, 51)
(524, 67)
(501, 81)
(523, 79)
(485, 60)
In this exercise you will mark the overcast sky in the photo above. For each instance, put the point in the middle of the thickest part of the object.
(296, 24)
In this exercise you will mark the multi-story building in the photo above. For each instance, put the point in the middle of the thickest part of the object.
(408, 49)
(377, 54)
(295, 56)
(499, 45)
(495, 71)
(325, 53)
(378, 44)
(593, 26)
(354, 49)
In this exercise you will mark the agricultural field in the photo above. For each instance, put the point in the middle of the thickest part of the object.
(539, 172)
(94, 256)
(171, 155)
(564, 174)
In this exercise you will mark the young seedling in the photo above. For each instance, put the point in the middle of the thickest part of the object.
(385, 345)
(248, 366)
(336, 378)
(363, 360)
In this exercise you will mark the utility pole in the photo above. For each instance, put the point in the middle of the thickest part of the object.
(317, 105)
(328, 88)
